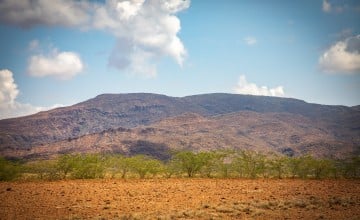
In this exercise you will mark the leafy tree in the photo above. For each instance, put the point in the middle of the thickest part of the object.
(189, 162)
(142, 165)
(278, 165)
(66, 164)
(250, 164)
(88, 166)
(171, 168)
(208, 162)
(322, 167)
(224, 161)
(118, 164)
(306, 167)
(294, 164)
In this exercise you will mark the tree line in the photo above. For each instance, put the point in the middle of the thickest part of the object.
(213, 164)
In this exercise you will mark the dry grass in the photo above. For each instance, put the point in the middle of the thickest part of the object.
(181, 199)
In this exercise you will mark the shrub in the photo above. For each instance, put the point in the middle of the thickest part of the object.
(8, 170)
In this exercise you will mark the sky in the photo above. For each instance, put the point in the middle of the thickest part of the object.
(61, 52)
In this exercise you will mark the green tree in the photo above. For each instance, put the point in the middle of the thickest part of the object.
(118, 164)
(224, 162)
(207, 162)
(143, 165)
(88, 166)
(66, 164)
(322, 168)
(306, 168)
(171, 168)
(278, 165)
(250, 164)
(189, 162)
(294, 164)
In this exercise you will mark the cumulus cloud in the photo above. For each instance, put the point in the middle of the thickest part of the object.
(250, 41)
(8, 89)
(146, 30)
(29, 13)
(9, 107)
(62, 65)
(245, 87)
(343, 57)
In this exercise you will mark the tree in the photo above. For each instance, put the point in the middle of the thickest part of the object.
(322, 167)
(223, 162)
(277, 165)
(189, 162)
(293, 164)
(66, 164)
(250, 164)
(142, 165)
(118, 164)
(208, 162)
(171, 168)
(88, 166)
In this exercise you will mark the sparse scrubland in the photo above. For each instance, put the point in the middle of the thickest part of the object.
(204, 185)
(214, 164)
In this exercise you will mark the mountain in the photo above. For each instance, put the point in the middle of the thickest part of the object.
(151, 123)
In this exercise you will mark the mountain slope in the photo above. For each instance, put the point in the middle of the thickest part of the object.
(269, 132)
(112, 111)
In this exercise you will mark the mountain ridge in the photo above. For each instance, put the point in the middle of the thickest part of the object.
(131, 111)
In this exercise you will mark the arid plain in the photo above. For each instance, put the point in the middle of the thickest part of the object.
(181, 198)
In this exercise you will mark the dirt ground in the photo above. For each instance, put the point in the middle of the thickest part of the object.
(181, 199)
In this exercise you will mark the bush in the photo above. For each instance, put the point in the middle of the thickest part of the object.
(143, 165)
(8, 170)
(88, 166)
(44, 169)
(118, 164)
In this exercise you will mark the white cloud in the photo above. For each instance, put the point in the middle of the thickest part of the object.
(8, 89)
(343, 57)
(62, 65)
(9, 107)
(145, 30)
(245, 87)
(250, 41)
(148, 27)
(326, 6)
(29, 13)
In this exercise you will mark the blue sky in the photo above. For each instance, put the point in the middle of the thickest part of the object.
(56, 53)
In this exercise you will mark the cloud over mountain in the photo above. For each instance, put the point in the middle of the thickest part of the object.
(9, 106)
(245, 87)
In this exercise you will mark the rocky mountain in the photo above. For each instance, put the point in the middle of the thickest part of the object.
(152, 124)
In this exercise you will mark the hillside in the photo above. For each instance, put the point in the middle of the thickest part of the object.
(150, 123)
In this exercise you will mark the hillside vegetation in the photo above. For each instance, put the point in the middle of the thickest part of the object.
(214, 164)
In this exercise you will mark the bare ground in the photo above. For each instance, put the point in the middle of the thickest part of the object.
(181, 199)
